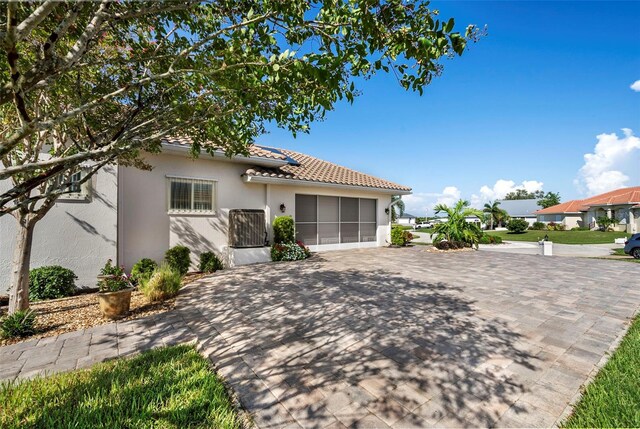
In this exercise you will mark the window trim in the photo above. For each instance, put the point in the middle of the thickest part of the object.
(191, 179)
(85, 189)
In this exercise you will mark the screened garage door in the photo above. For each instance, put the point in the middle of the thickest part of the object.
(333, 220)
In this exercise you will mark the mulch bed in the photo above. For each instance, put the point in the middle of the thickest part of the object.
(58, 316)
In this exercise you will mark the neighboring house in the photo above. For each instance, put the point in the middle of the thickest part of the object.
(521, 209)
(406, 219)
(622, 204)
(212, 203)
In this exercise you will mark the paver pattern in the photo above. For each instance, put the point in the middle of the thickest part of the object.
(406, 338)
(383, 337)
(81, 349)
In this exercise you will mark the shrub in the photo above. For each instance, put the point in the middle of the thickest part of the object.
(490, 239)
(517, 225)
(283, 230)
(452, 245)
(561, 227)
(551, 226)
(537, 226)
(51, 282)
(143, 269)
(113, 278)
(164, 283)
(210, 263)
(178, 258)
(289, 251)
(580, 228)
(19, 324)
(400, 236)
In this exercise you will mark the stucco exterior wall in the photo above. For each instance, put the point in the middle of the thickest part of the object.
(79, 235)
(572, 221)
(147, 230)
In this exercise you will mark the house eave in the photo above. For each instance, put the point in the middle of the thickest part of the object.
(298, 182)
(219, 155)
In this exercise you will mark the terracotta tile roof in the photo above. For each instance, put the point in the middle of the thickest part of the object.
(619, 196)
(253, 149)
(312, 169)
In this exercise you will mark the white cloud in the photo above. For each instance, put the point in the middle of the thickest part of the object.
(422, 203)
(501, 188)
(613, 163)
(635, 86)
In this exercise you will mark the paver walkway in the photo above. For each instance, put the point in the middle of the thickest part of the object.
(386, 337)
(81, 349)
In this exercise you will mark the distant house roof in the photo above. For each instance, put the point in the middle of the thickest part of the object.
(520, 208)
(619, 196)
(299, 167)
(407, 216)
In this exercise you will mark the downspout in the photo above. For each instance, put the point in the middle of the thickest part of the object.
(389, 208)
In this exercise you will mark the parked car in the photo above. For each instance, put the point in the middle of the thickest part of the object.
(632, 246)
(423, 225)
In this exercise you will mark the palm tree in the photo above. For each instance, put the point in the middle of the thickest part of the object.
(399, 206)
(493, 210)
(456, 228)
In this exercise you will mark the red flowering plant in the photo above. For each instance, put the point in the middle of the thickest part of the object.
(113, 278)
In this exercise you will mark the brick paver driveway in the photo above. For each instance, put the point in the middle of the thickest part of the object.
(405, 338)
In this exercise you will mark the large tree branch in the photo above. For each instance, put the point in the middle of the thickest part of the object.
(36, 17)
(79, 48)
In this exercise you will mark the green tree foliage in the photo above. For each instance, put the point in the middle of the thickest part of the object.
(605, 222)
(283, 230)
(550, 199)
(493, 211)
(86, 84)
(457, 228)
(523, 194)
(397, 209)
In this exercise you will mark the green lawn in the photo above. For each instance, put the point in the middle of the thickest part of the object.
(612, 399)
(627, 258)
(563, 237)
(172, 387)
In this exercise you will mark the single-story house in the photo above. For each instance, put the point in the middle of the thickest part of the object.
(622, 204)
(211, 203)
(521, 209)
(406, 219)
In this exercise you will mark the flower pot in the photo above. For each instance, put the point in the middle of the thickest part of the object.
(115, 304)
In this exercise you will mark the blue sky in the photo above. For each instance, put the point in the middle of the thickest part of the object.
(549, 83)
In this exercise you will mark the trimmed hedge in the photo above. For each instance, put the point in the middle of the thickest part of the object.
(51, 282)
(283, 230)
(178, 258)
(490, 239)
(210, 263)
(451, 245)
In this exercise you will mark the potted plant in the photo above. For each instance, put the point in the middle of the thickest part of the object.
(115, 286)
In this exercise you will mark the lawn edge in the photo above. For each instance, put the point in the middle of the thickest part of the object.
(568, 410)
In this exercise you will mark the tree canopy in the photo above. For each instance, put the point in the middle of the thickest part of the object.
(523, 194)
(89, 83)
(549, 199)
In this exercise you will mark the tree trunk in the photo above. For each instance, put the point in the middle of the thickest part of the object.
(19, 292)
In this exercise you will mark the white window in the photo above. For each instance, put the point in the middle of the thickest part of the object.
(186, 195)
(77, 190)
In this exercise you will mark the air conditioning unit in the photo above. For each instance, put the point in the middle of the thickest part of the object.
(247, 228)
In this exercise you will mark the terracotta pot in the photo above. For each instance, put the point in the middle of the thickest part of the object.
(115, 304)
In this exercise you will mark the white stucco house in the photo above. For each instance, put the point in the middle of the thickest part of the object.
(621, 204)
(212, 203)
(406, 219)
